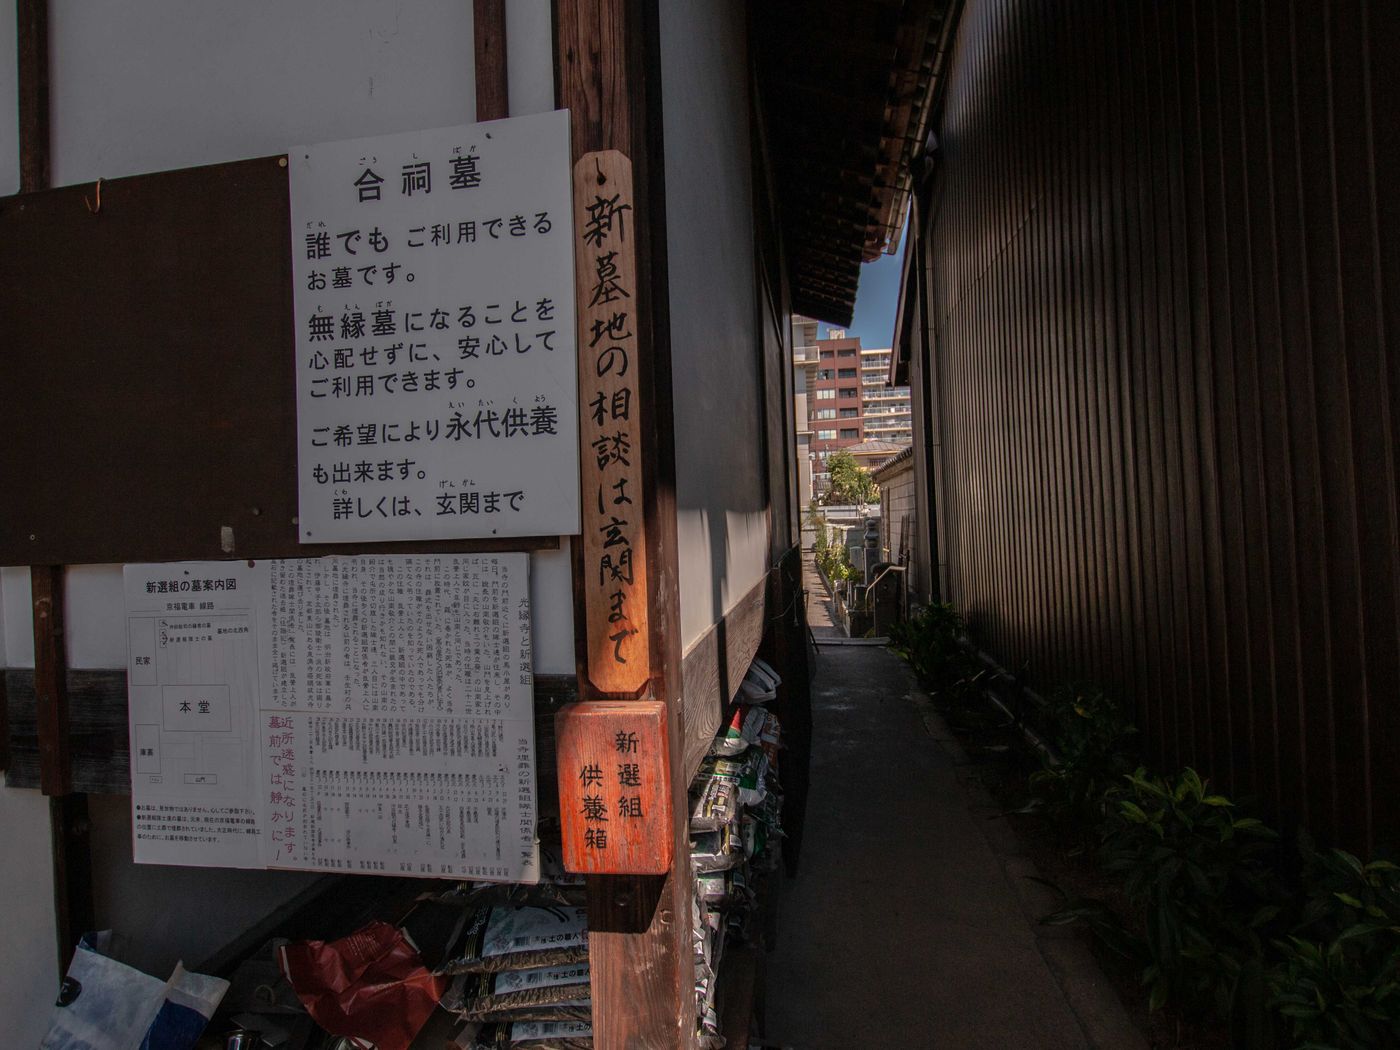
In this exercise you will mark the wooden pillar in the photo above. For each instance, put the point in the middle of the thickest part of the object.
(50, 680)
(68, 811)
(4, 724)
(639, 926)
(32, 44)
(489, 42)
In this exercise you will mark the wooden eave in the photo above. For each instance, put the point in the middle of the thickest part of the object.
(846, 88)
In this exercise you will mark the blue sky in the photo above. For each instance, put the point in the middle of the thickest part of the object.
(877, 295)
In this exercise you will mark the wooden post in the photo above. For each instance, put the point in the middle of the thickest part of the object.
(50, 680)
(4, 723)
(68, 812)
(608, 79)
(32, 44)
(489, 40)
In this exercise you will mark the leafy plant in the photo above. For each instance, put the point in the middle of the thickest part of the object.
(1331, 998)
(817, 524)
(1094, 738)
(932, 642)
(834, 561)
(1199, 875)
(1337, 981)
(1343, 893)
(830, 557)
(850, 482)
(842, 569)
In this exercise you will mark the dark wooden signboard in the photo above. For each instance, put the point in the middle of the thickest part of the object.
(147, 384)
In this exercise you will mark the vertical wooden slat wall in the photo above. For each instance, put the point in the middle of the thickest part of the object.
(1165, 272)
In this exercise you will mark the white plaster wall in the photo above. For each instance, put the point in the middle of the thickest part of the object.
(30, 981)
(26, 868)
(530, 56)
(19, 620)
(9, 108)
(157, 84)
(721, 513)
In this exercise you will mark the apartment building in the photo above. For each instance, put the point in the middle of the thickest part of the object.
(842, 401)
(885, 410)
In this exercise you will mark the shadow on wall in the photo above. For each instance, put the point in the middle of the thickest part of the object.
(170, 914)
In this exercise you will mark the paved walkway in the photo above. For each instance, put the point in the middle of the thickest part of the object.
(909, 923)
(822, 619)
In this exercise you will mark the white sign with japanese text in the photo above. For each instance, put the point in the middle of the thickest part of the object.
(437, 388)
(198, 634)
(353, 714)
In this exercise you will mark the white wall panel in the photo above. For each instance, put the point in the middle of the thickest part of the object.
(95, 622)
(159, 84)
(9, 106)
(530, 56)
(19, 616)
(30, 982)
(720, 502)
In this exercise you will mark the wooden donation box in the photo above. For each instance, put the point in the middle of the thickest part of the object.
(614, 787)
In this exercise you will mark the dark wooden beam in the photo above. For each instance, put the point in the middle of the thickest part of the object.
(489, 36)
(51, 680)
(32, 44)
(68, 812)
(4, 725)
(70, 842)
(591, 75)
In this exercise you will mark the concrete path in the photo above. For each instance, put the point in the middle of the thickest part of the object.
(822, 620)
(909, 923)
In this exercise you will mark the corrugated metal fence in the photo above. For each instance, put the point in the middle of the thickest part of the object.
(1165, 248)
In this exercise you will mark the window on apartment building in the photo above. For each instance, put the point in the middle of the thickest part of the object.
(826, 435)
(849, 413)
(849, 391)
(844, 373)
(845, 353)
(824, 413)
(825, 373)
(826, 395)
(826, 355)
(850, 432)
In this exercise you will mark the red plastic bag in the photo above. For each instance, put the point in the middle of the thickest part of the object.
(371, 986)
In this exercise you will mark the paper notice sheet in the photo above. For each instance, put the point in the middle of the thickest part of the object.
(356, 714)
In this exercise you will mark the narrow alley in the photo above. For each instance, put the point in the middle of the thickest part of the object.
(462, 465)
(911, 922)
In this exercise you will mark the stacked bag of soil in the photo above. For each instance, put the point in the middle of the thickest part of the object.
(735, 827)
(517, 959)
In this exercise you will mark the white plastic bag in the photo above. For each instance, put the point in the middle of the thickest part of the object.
(106, 1005)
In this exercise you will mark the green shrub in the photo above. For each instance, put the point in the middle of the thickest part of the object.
(1199, 876)
(834, 562)
(1094, 739)
(931, 641)
(1337, 978)
(1211, 927)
